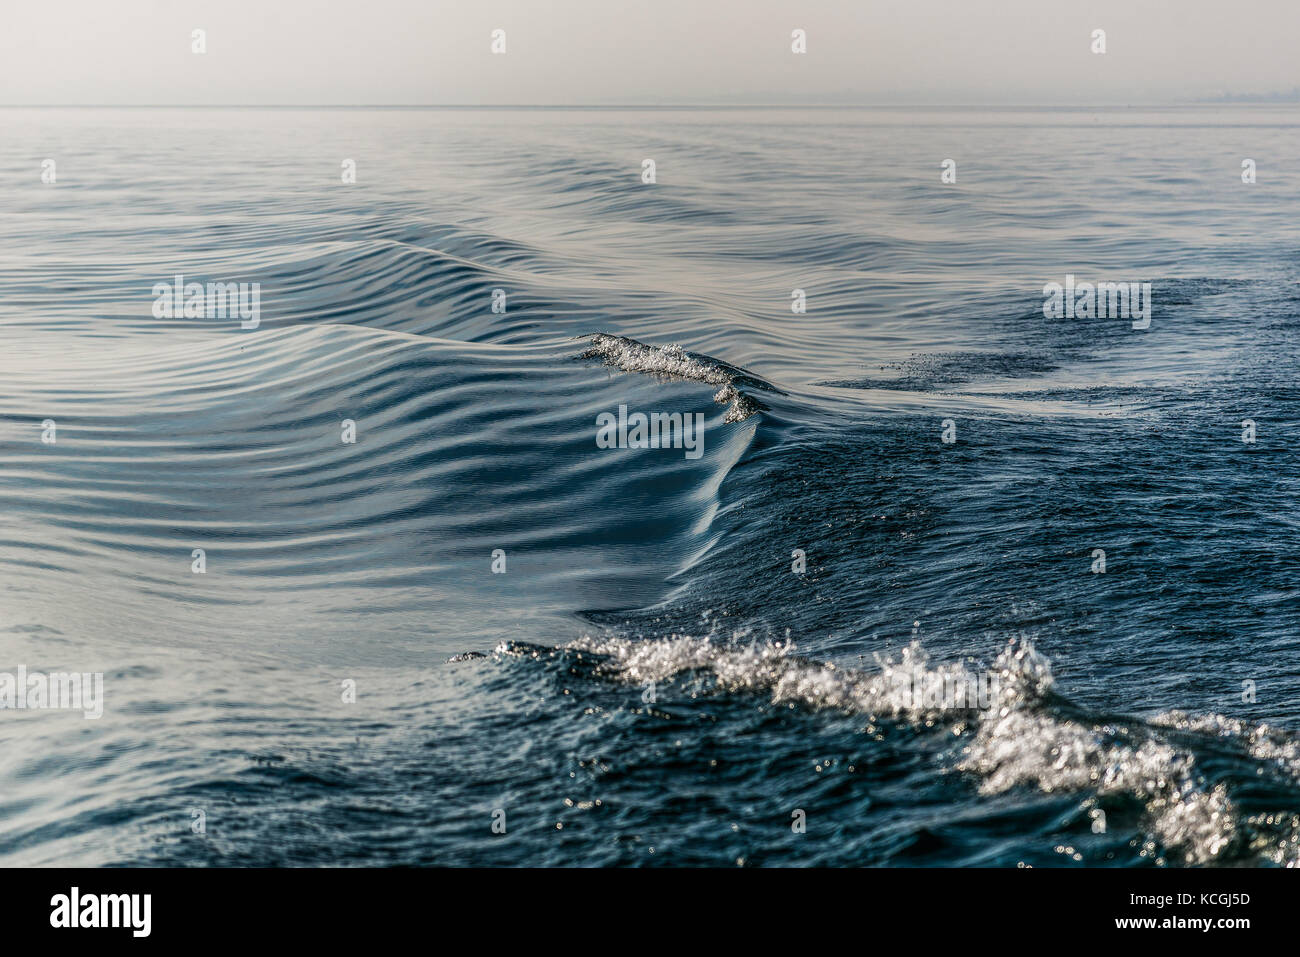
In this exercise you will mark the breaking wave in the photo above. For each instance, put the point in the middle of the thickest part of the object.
(674, 362)
(1026, 735)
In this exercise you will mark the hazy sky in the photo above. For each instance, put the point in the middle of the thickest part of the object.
(651, 51)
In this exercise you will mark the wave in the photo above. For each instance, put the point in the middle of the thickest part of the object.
(475, 507)
(674, 362)
(1025, 734)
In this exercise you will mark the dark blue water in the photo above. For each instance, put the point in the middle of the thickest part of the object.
(686, 661)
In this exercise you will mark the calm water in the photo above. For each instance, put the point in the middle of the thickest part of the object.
(655, 678)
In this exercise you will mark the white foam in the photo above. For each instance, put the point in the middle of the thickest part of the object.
(673, 362)
(1019, 740)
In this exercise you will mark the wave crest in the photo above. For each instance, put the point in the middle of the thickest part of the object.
(674, 362)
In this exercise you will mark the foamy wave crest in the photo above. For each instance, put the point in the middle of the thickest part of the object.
(1019, 732)
(674, 362)
(1020, 744)
(907, 689)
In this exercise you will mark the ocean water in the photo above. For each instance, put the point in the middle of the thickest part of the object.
(709, 660)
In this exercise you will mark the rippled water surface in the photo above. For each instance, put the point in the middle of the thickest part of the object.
(656, 677)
